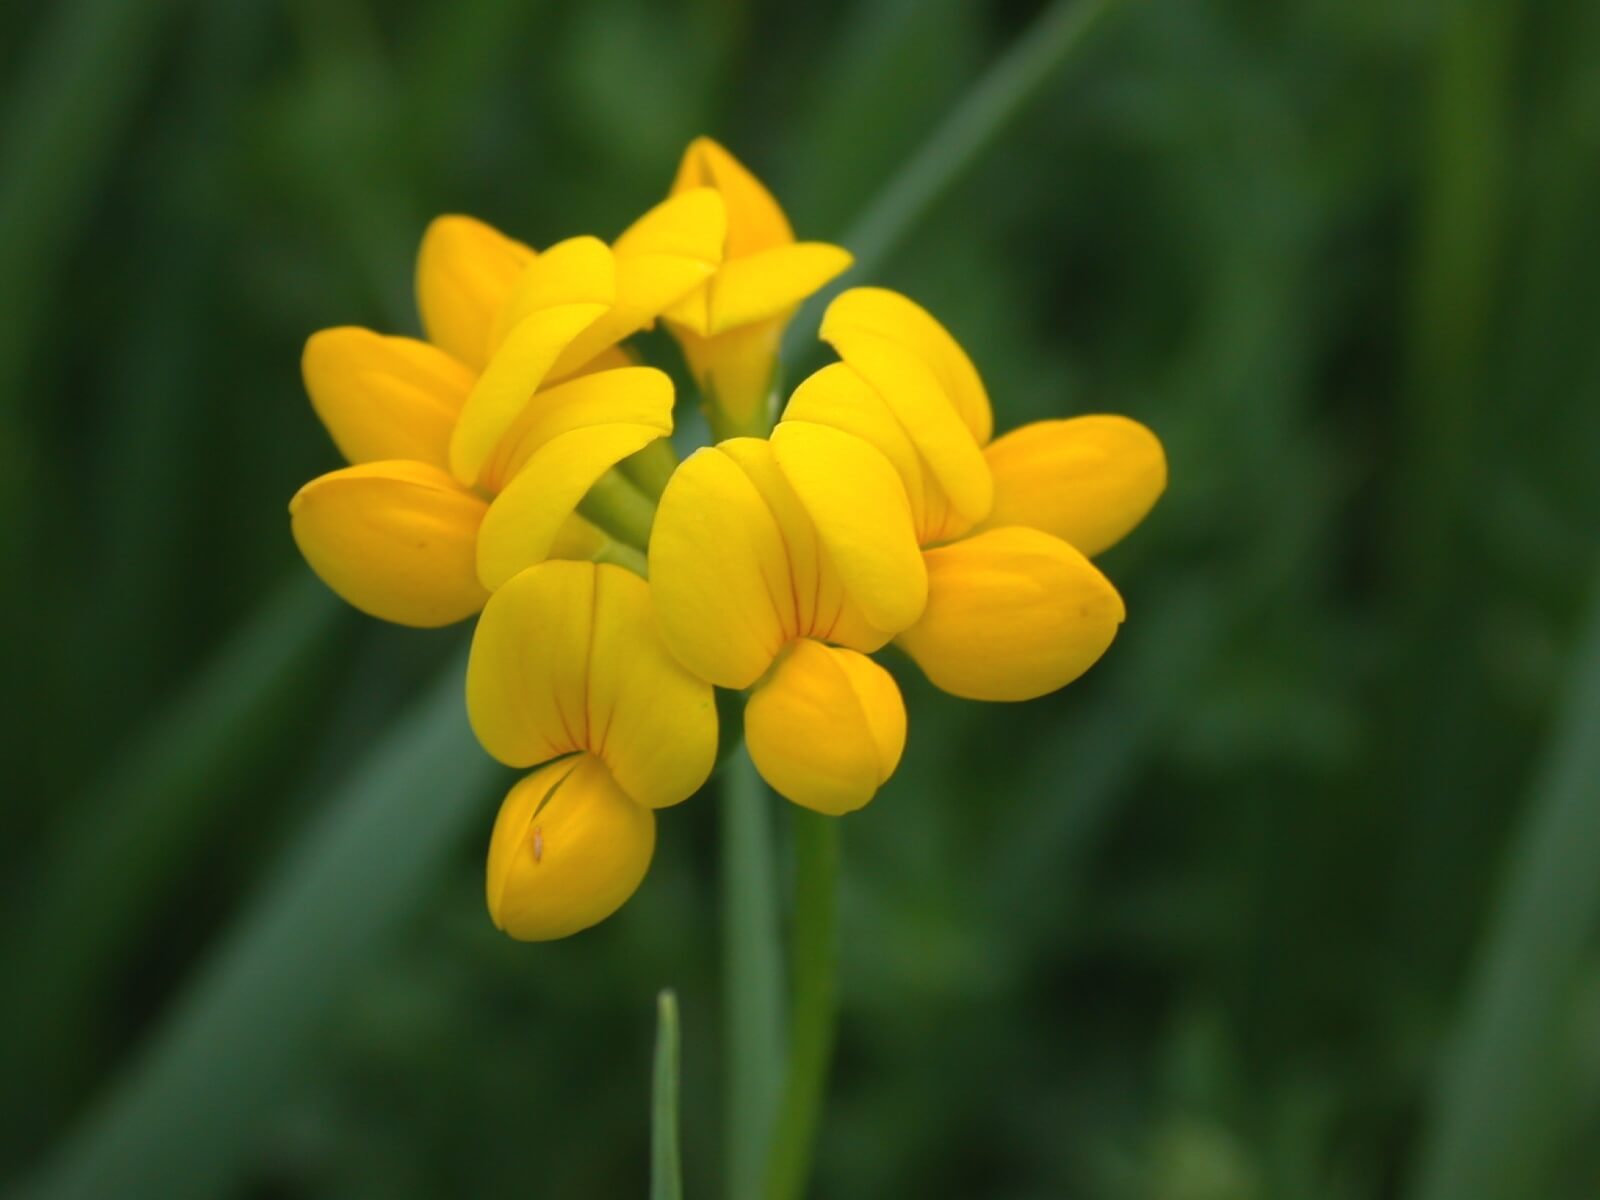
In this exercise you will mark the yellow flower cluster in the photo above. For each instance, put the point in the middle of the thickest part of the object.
(516, 462)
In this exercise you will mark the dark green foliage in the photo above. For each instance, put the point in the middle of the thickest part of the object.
(1197, 927)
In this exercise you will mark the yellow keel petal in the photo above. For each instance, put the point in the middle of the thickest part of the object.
(395, 539)
(1087, 480)
(826, 728)
(465, 271)
(1012, 614)
(568, 849)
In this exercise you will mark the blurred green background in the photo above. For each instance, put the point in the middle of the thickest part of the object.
(1204, 926)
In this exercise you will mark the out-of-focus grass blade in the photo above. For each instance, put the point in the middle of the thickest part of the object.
(953, 149)
(99, 878)
(666, 1171)
(60, 124)
(176, 1124)
(1489, 1137)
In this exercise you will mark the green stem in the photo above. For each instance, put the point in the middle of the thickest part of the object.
(752, 971)
(619, 509)
(814, 1008)
(1489, 1137)
(624, 556)
(650, 468)
(666, 1171)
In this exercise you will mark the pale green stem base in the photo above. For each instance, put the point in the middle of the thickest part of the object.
(666, 1174)
(814, 1009)
(752, 977)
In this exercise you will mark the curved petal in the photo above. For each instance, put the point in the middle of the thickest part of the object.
(763, 286)
(862, 518)
(626, 395)
(580, 270)
(826, 727)
(384, 397)
(524, 520)
(567, 657)
(902, 321)
(755, 222)
(716, 570)
(949, 453)
(1012, 614)
(662, 257)
(465, 271)
(395, 539)
(567, 851)
(510, 380)
(1087, 480)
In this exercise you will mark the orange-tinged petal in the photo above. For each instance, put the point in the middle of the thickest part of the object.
(465, 271)
(1012, 614)
(901, 320)
(384, 397)
(395, 539)
(826, 727)
(755, 222)
(567, 851)
(566, 657)
(1087, 480)
(525, 519)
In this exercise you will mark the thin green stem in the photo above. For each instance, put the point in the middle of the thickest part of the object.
(814, 1004)
(619, 509)
(666, 1171)
(1489, 1137)
(954, 148)
(752, 974)
(650, 468)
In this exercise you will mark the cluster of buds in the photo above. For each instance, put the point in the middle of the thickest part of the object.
(517, 464)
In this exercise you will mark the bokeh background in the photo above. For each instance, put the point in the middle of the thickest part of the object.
(1204, 926)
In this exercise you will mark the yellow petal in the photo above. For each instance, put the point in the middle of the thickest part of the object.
(862, 518)
(755, 222)
(567, 657)
(525, 519)
(662, 257)
(895, 317)
(510, 380)
(716, 570)
(744, 559)
(384, 397)
(950, 455)
(734, 372)
(465, 271)
(580, 270)
(568, 850)
(1087, 480)
(766, 285)
(1012, 614)
(826, 727)
(395, 539)
(626, 395)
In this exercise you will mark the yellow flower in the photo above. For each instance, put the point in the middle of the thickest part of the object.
(1015, 608)
(779, 564)
(472, 452)
(880, 509)
(730, 327)
(568, 674)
